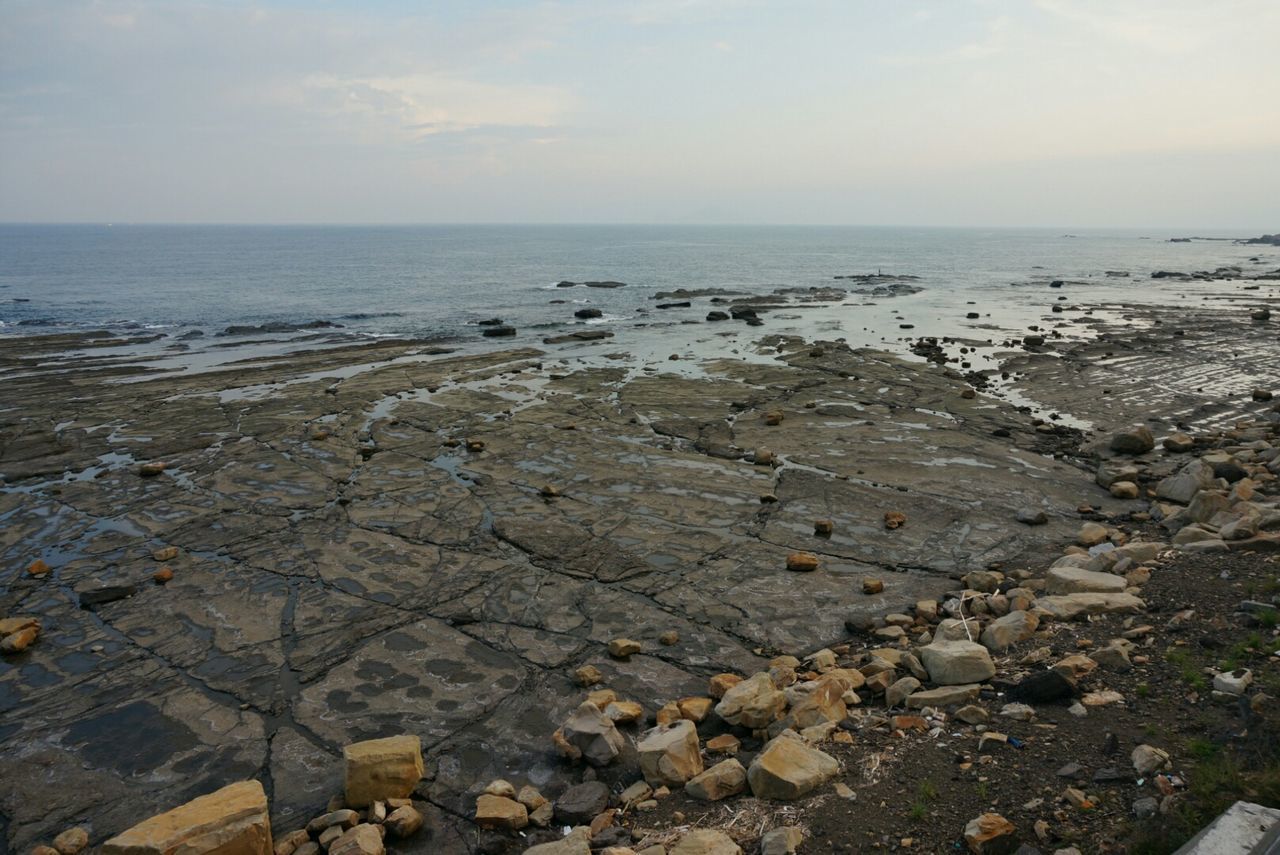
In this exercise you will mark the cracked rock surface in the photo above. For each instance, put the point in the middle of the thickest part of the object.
(367, 545)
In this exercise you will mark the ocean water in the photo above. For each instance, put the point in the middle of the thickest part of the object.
(438, 280)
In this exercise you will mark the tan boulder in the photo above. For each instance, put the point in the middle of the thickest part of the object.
(364, 839)
(754, 703)
(591, 735)
(500, 812)
(72, 841)
(787, 768)
(802, 562)
(721, 683)
(823, 704)
(952, 663)
(705, 841)
(669, 754)
(379, 769)
(229, 821)
(726, 778)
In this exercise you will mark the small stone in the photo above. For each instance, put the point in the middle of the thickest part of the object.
(694, 709)
(894, 519)
(71, 841)
(972, 714)
(721, 683)
(37, 568)
(823, 528)
(725, 743)
(364, 839)
(1124, 490)
(403, 822)
(990, 834)
(499, 812)
(802, 562)
(1148, 759)
(1136, 441)
(871, 585)
(623, 648)
(501, 788)
(17, 642)
(344, 817)
(624, 712)
(753, 703)
(669, 638)
(167, 553)
(152, 469)
(951, 663)
(162, 576)
(1032, 516)
(588, 675)
(288, 844)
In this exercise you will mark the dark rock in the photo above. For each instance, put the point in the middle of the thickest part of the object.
(491, 322)
(579, 804)
(1110, 773)
(499, 332)
(566, 284)
(279, 327)
(588, 313)
(1033, 340)
(605, 284)
(582, 335)
(1043, 687)
(108, 594)
(717, 316)
(684, 304)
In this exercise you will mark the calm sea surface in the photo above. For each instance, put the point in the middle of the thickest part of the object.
(439, 280)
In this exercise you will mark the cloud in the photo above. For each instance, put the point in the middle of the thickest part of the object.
(415, 106)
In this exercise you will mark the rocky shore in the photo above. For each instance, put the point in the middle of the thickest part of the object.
(803, 596)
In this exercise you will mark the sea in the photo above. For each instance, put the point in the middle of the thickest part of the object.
(438, 282)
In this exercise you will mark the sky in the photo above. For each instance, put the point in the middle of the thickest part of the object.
(958, 112)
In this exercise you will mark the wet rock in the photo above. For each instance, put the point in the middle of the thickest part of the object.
(1032, 516)
(499, 812)
(872, 585)
(1124, 490)
(1178, 443)
(952, 663)
(151, 470)
(586, 314)
(379, 769)
(17, 634)
(162, 576)
(38, 568)
(95, 597)
(1091, 534)
(753, 703)
(787, 769)
(717, 316)
(991, 834)
(726, 778)
(894, 519)
(705, 841)
(823, 528)
(229, 821)
(499, 332)
(591, 736)
(1136, 441)
(670, 754)
(579, 804)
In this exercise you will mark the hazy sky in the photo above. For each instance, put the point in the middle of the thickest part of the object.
(984, 112)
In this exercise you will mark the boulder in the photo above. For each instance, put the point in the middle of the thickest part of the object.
(579, 804)
(1071, 606)
(726, 778)
(1136, 441)
(787, 769)
(1002, 633)
(753, 703)
(1182, 486)
(896, 695)
(380, 769)
(669, 754)
(951, 663)
(944, 696)
(1178, 443)
(229, 821)
(705, 841)
(1073, 580)
(364, 839)
(784, 840)
(500, 812)
(592, 735)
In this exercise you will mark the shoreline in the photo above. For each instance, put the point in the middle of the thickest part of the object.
(345, 565)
